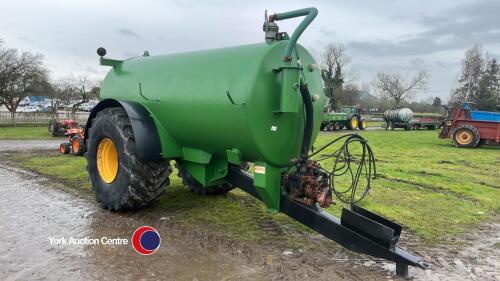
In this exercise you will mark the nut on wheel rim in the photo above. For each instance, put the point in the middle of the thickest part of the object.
(464, 137)
(107, 160)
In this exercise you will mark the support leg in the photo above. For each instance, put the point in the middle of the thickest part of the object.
(402, 270)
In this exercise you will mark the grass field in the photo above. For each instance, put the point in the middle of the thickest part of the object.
(425, 183)
(23, 133)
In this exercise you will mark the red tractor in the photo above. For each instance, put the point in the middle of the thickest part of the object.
(469, 128)
(75, 144)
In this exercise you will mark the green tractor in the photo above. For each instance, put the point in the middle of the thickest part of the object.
(212, 112)
(348, 117)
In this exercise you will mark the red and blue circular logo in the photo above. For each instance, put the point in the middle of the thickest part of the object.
(146, 240)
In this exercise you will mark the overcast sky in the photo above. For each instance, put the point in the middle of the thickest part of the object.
(401, 36)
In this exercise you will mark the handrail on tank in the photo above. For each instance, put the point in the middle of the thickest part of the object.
(310, 14)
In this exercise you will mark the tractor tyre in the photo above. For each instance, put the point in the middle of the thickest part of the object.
(64, 148)
(120, 180)
(194, 186)
(338, 126)
(362, 124)
(77, 146)
(322, 126)
(352, 124)
(465, 135)
(330, 126)
(53, 127)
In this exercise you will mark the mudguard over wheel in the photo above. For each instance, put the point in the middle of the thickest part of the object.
(465, 135)
(119, 179)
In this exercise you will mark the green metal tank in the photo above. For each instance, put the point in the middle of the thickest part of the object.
(222, 99)
(259, 103)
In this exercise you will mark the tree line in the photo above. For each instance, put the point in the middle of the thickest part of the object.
(24, 74)
(479, 81)
(478, 84)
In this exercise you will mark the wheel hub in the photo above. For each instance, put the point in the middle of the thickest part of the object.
(354, 123)
(107, 160)
(464, 137)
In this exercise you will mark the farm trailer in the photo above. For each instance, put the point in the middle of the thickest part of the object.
(214, 111)
(469, 128)
(348, 117)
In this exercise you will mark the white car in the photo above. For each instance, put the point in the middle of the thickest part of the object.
(29, 109)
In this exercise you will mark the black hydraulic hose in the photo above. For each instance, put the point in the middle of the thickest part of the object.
(308, 128)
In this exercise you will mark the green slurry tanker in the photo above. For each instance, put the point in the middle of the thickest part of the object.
(212, 112)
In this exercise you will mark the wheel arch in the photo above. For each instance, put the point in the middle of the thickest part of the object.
(147, 139)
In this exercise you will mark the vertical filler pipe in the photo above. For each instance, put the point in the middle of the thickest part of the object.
(310, 14)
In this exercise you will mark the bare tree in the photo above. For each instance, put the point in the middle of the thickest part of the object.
(21, 75)
(77, 88)
(334, 61)
(397, 87)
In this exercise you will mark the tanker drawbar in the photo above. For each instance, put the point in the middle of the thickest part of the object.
(215, 111)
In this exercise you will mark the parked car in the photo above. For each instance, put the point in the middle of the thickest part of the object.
(27, 109)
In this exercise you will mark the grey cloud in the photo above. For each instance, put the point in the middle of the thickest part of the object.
(327, 32)
(457, 28)
(128, 33)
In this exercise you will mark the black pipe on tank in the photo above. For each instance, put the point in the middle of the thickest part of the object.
(308, 128)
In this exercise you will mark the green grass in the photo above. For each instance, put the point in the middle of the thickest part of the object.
(426, 184)
(23, 133)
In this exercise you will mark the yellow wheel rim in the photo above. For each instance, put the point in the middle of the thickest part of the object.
(354, 122)
(107, 160)
(364, 124)
(464, 137)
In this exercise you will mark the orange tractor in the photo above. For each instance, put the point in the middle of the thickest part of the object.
(75, 144)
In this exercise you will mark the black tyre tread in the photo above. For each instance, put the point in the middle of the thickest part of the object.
(476, 137)
(66, 148)
(53, 127)
(360, 123)
(148, 181)
(81, 148)
(349, 123)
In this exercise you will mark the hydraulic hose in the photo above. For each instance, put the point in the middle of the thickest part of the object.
(310, 14)
(308, 127)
